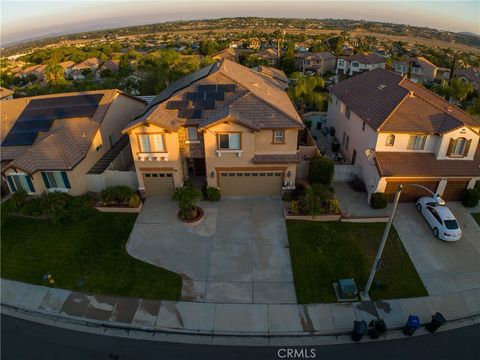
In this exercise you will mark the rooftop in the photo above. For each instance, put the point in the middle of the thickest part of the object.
(365, 58)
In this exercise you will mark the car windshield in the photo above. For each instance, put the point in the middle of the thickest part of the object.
(451, 224)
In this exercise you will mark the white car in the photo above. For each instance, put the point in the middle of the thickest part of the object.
(440, 218)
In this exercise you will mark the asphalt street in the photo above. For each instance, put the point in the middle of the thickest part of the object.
(21, 339)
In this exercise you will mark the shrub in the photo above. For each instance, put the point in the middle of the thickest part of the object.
(471, 197)
(16, 201)
(187, 197)
(320, 170)
(134, 201)
(378, 200)
(294, 207)
(213, 193)
(117, 194)
(332, 207)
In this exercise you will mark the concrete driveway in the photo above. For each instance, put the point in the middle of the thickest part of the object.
(443, 266)
(238, 254)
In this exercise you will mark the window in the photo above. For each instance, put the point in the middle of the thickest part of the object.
(192, 134)
(390, 140)
(151, 143)
(112, 139)
(458, 147)
(55, 179)
(347, 112)
(435, 214)
(99, 147)
(417, 142)
(346, 142)
(20, 182)
(229, 141)
(341, 62)
(278, 136)
(355, 64)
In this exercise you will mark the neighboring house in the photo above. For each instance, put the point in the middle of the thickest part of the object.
(469, 75)
(410, 134)
(225, 124)
(422, 70)
(5, 94)
(254, 44)
(319, 63)
(270, 55)
(37, 70)
(112, 65)
(359, 63)
(278, 76)
(232, 54)
(67, 67)
(50, 142)
(93, 64)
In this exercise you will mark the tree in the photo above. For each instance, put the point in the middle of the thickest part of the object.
(321, 170)
(307, 95)
(54, 72)
(453, 66)
(208, 47)
(124, 67)
(287, 60)
(474, 107)
(187, 196)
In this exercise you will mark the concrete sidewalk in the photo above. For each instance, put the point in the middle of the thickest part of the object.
(264, 320)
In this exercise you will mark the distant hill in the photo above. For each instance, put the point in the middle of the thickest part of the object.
(468, 33)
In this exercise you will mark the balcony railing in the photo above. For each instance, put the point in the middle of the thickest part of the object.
(148, 156)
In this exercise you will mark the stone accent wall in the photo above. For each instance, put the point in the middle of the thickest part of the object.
(192, 150)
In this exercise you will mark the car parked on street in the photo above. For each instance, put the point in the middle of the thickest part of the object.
(442, 221)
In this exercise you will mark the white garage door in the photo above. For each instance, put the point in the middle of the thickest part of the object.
(245, 183)
(158, 184)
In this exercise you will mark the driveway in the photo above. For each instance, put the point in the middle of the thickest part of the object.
(238, 254)
(443, 266)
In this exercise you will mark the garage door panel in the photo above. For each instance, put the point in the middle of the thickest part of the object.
(158, 184)
(234, 183)
(454, 190)
(409, 193)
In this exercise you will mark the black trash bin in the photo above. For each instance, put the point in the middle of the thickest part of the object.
(437, 321)
(360, 329)
(413, 323)
(376, 328)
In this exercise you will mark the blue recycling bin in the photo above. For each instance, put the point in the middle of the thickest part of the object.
(413, 323)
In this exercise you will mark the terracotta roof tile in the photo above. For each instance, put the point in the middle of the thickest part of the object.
(366, 58)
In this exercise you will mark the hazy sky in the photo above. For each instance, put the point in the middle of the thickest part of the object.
(27, 19)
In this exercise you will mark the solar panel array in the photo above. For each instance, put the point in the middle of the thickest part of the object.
(203, 99)
(39, 115)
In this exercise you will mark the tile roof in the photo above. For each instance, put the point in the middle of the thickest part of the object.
(92, 62)
(472, 74)
(390, 102)
(276, 158)
(257, 101)
(276, 74)
(315, 55)
(418, 164)
(113, 65)
(4, 92)
(420, 62)
(64, 145)
(67, 64)
(365, 58)
(268, 53)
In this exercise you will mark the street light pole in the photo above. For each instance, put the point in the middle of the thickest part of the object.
(376, 262)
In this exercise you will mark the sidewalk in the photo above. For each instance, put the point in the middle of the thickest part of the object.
(262, 320)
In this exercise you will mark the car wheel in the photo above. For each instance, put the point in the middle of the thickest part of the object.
(435, 232)
(419, 208)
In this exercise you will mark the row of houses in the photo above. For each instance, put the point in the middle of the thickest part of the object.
(235, 128)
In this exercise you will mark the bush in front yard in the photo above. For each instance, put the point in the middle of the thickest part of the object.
(16, 201)
(187, 197)
(117, 194)
(471, 197)
(378, 200)
(213, 193)
(134, 201)
(321, 170)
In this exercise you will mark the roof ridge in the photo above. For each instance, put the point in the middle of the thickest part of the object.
(379, 128)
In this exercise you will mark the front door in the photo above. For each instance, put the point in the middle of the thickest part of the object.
(199, 166)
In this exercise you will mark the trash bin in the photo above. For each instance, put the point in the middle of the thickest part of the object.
(437, 321)
(360, 329)
(376, 328)
(413, 323)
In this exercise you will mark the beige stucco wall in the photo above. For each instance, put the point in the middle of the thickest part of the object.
(401, 143)
(462, 132)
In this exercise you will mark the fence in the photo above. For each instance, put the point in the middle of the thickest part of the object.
(346, 172)
(306, 152)
(98, 182)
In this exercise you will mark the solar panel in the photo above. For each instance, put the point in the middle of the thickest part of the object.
(226, 88)
(191, 113)
(58, 113)
(195, 96)
(205, 104)
(207, 88)
(20, 138)
(177, 105)
(31, 126)
(65, 101)
(215, 96)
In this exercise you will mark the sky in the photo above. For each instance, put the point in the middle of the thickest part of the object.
(37, 18)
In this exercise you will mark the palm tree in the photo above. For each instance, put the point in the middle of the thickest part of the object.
(187, 196)
(53, 72)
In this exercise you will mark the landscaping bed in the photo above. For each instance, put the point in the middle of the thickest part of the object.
(83, 252)
(477, 217)
(324, 252)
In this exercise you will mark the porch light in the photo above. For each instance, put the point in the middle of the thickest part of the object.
(212, 174)
(289, 173)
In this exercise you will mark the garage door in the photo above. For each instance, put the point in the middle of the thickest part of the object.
(158, 184)
(454, 190)
(250, 183)
(409, 193)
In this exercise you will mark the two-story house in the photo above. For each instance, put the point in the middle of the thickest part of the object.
(359, 63)
(421, 70)
(233, 127)
(50, 142)
(319, 62)
(400, 133)
(470, 75)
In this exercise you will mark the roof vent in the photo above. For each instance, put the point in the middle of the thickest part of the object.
(381, 87)
(410, 93)
(83, 134)
(254, 84)
(449, 108)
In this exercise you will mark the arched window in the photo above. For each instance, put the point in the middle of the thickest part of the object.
(458, 146)
(390, 140)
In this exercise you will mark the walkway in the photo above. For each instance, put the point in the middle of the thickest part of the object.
(237, 254)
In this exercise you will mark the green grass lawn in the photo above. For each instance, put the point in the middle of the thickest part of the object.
(323, 252)
(477, 217)
(92, 249)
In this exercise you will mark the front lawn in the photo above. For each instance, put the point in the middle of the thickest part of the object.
(477, 217)
(323, 252)
(85, 255)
